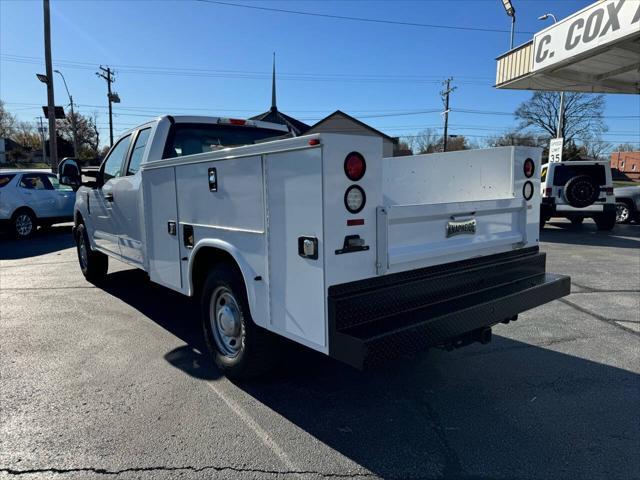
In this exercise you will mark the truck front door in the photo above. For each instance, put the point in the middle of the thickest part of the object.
(103, 199)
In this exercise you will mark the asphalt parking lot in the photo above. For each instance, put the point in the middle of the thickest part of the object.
(110, 382)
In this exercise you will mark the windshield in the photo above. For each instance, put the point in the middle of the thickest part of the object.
(190, 139)
(565, 172)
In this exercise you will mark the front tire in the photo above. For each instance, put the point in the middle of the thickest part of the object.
(238, 346)
(23, 224)
(606, 221)
(94, 265)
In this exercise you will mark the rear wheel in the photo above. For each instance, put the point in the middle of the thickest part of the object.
(94, 265)
(23, 224)
(581, 191)
(606, 221)
(623, 213)
(239, 347)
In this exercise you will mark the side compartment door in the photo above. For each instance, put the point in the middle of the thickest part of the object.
(161, 217)
(296, 284)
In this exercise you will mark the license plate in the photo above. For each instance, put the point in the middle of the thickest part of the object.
(468, 227)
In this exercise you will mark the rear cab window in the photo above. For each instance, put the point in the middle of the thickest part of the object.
(190, 139)
(565, 172)
(5, 178)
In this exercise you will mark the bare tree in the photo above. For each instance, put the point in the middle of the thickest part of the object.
(516, 138)
(582, 114)
(25, 135)
(7, 122)
(429, 141)
(625, 147)
(86, 130)
(595, 147)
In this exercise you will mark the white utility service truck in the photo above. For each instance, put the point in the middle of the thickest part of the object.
(318, 238)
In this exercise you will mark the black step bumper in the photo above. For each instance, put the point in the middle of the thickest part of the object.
(374, 320)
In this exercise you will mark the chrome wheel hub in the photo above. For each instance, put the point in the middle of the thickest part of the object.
(24, 225)
(226, 322)
(622, 213)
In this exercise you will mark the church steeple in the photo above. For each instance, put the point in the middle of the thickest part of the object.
(273, 85)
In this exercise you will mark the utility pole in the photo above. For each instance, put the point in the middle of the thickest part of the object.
(53, 144)
(42, 137)
(107, 74)
(445, 97)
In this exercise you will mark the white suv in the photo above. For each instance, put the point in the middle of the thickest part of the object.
(577, 190)
(29, 198)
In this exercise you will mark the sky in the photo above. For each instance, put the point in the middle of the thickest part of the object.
(208, 58)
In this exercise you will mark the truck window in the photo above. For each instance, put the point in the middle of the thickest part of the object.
(190, 139)
(138, 150)
(113, 163)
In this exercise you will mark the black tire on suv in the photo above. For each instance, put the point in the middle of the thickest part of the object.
(581, 191)
(606, 221)
(23, 224)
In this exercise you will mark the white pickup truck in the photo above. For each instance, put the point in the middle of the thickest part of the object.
(318, 238)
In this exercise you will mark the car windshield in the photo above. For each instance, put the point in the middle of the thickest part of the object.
(5, 178)
(190, 139)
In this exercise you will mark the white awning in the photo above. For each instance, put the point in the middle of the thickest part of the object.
(595, 50)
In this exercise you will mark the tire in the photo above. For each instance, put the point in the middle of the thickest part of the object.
(581, 191)
(542, 223)
(623, 213)
(606, 221)
(238, 346)
(577, 221)
(23, 224)
(94, 265)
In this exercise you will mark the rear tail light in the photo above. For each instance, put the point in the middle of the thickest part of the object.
(548, 192)
(529, 168)
(354, 199)
(354, 166)
(237, 121)
(527, 190)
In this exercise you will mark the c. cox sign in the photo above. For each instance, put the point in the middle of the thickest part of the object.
(595, 26)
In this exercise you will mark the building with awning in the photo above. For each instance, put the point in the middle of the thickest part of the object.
(595, 50)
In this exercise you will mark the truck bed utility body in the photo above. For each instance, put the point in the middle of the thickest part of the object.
(350, 254)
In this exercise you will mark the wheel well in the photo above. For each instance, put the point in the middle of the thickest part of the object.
(77, 218)
(628, 203)
(205, 259)
(23, 209)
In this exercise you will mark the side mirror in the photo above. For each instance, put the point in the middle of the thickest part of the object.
(69, 173)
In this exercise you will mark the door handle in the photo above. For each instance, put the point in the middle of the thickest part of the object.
(108, 197)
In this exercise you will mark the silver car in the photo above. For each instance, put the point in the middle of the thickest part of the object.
(32, 198)
(627, 204)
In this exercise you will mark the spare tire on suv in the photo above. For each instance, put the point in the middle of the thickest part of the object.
(581, 191)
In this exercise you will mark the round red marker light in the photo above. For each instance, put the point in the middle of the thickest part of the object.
(354, 166)
(529, 168)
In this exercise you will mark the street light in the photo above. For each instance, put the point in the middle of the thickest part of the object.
(561, 109)
(43, 78)
(73, 117)
(511, 11)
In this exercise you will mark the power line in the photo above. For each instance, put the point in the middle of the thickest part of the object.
(361, 19)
